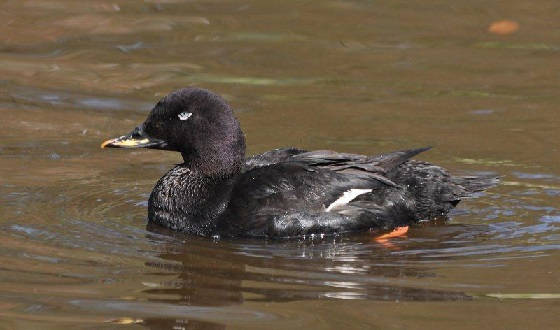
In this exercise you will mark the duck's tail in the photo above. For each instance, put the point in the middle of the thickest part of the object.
(434, 191)
(473, 184)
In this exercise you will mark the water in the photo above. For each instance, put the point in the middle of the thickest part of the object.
(353, 76)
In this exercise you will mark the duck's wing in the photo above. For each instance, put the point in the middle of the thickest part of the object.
(339, 161)
(375, 167)
(360, 165)
(294, 198)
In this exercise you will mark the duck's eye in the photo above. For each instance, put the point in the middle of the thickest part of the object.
(184, 115)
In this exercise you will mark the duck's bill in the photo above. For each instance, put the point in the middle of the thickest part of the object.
(130, 141)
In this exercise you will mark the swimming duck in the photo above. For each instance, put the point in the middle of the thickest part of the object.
(284, 192)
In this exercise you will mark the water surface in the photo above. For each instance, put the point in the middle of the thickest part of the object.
(353, 76)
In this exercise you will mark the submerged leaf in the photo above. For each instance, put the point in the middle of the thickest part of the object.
(503, 27)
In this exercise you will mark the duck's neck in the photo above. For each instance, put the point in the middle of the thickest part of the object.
(219, 153)
(214, 163)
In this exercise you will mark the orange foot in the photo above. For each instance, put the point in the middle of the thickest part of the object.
(397, 232)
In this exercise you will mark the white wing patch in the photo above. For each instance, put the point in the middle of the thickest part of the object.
(347, 197)
(184, 115)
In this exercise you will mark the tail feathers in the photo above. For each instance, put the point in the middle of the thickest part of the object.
(394, 159)
(473, 184)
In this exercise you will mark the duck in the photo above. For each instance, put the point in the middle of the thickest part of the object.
(286, 192)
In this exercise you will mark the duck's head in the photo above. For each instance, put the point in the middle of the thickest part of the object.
(195, 122)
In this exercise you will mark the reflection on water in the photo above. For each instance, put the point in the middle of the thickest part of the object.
(355, 76)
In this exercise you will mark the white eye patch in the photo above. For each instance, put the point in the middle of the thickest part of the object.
(184, 115)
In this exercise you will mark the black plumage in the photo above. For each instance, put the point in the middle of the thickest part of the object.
(283, 192)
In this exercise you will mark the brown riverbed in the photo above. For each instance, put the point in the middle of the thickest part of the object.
(353, 76)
